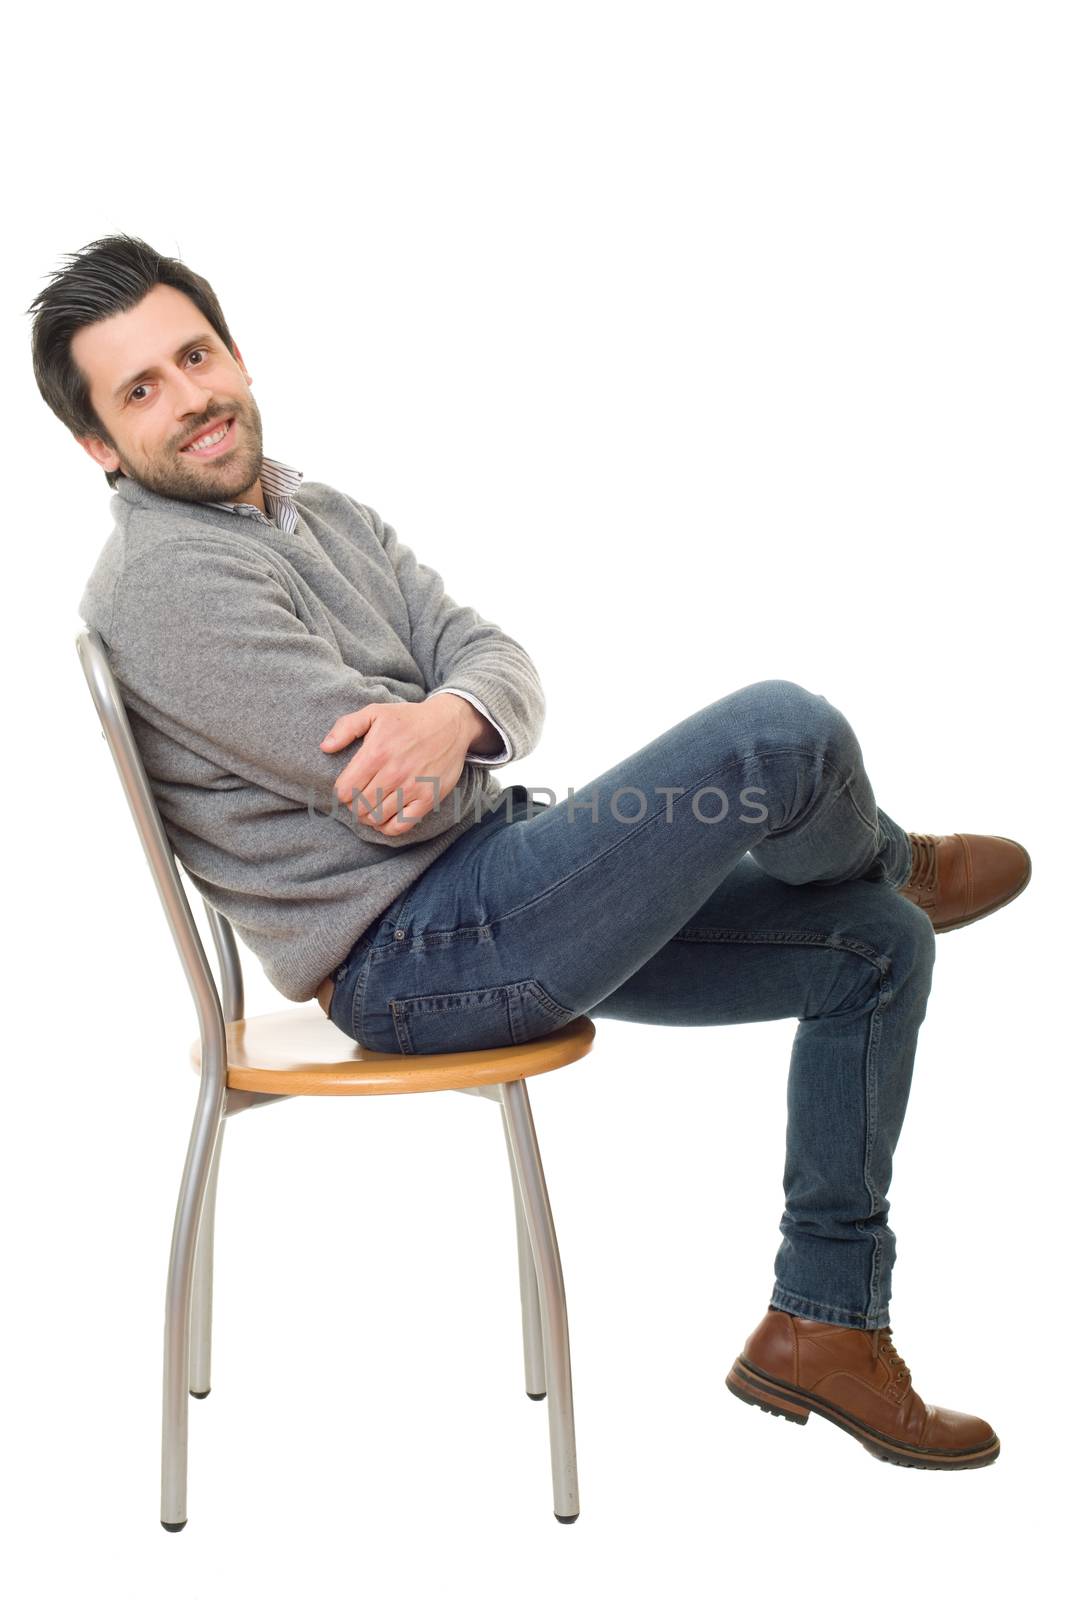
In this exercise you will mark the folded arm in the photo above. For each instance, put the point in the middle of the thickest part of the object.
(208, 646)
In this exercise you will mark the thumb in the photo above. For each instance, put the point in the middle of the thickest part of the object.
(352, 726)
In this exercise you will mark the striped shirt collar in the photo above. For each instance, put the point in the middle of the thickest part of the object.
(279, 484)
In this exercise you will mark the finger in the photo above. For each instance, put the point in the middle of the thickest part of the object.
(400, 799)
(362, 776)
(392, 829)
(353, 725)
(382, 802)
(413, 812)
(374, 804)
(397, 824)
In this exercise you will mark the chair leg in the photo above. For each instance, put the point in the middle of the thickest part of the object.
(207, 1124)
(203, 1283)
(530, 1177)
(533, 1349)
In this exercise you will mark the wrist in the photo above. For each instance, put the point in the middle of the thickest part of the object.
(481, 737)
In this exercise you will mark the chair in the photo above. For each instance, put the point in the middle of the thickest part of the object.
(247, 1062)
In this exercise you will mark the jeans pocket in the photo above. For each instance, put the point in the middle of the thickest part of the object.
(476, 1019)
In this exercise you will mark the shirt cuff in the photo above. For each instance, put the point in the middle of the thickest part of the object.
(482, 761)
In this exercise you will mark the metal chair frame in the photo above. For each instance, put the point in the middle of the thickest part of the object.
(187, 1335)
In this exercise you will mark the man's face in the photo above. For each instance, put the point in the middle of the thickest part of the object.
(158, 376)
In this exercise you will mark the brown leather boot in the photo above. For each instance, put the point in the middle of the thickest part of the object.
(853, 1377)
(958, 877)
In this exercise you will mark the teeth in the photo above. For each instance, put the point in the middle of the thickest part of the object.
(212, 438)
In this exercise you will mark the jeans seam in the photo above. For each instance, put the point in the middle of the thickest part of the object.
(398, 1017)
(356, 1018)
(874, 1036)
(796, 936)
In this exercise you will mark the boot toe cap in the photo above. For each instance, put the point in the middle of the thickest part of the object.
(1002, 866)
(955, 1430)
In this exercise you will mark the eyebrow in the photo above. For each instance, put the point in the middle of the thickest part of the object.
(190, 344)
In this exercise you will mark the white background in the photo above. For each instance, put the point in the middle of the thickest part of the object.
(693, 345)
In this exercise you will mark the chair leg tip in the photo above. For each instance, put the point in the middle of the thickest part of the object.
(540, 1396)
(174, 1527)
(566, 1519)
(199, 1394)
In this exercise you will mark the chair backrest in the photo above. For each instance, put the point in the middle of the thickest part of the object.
(160, 855)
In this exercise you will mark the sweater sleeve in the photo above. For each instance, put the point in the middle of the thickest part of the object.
(457, 649)
(208, 648)
(505, 753)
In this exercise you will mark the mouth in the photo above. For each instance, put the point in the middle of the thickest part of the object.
(200, 449)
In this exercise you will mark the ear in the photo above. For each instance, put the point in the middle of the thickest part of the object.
(240, 361)
(100, 452)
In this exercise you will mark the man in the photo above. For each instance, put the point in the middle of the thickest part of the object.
(262, 626)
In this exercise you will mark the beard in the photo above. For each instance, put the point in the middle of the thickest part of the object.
(225, 477)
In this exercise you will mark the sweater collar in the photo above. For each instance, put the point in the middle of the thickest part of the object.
(278, 481)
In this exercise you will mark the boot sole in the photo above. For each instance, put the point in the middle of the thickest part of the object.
(987, 911)
(757, 1388)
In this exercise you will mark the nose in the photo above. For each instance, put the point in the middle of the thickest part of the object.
(191, 398)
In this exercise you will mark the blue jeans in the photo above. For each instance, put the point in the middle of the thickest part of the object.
(735, 869)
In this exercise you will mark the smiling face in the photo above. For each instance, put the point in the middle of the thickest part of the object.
(159, 376)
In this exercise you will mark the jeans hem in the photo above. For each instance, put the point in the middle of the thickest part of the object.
(898, 879)
(797, 1306)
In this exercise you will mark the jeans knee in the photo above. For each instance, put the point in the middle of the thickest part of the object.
(787, 711)
(913, 942)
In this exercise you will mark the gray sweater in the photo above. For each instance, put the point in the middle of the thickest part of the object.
(236, 646)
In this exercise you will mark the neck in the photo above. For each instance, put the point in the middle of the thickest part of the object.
(251, 497)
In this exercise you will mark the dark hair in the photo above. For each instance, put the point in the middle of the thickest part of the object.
(108, 276)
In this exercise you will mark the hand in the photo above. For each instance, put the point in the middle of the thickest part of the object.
(405, 746)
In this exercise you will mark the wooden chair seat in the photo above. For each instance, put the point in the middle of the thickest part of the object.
(299, 1051)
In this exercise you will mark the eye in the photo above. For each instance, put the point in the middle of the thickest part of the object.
(199, 351)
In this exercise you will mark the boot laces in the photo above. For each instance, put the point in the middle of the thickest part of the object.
(902, 1375)
(924, 861)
